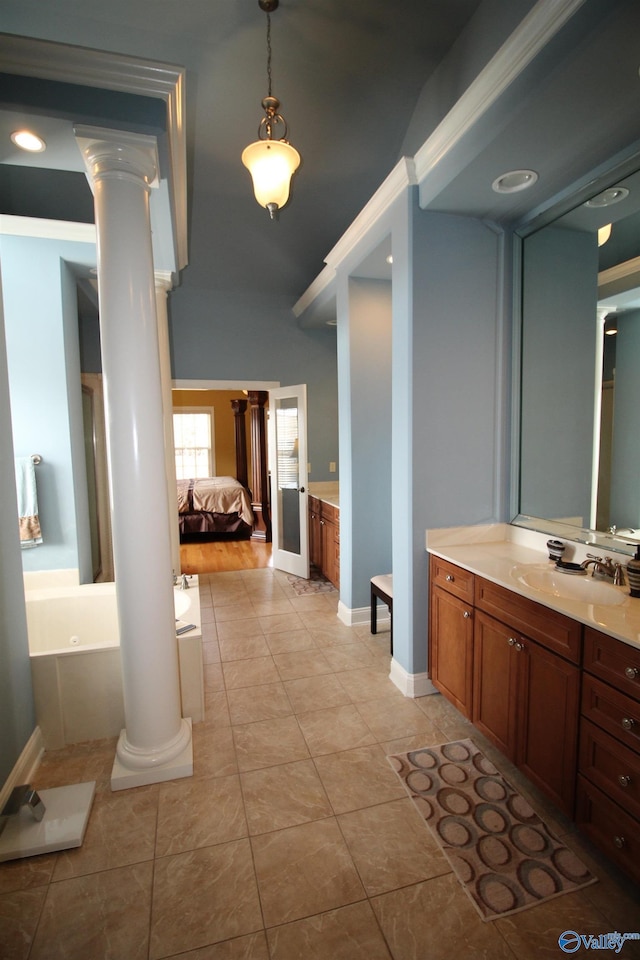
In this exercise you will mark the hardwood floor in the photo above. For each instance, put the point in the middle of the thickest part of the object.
(218, 555)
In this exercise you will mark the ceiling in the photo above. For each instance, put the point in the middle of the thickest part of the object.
(348, 74)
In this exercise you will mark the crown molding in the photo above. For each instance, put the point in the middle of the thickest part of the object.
(529, 38)
(47, 229)
(46, 60)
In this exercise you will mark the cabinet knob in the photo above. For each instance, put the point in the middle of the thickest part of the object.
(511, 641)
(620, 842)
(466, 615)
(449, 578)
(624, 780)
(628, 723)
(519, 646)
(631, 673)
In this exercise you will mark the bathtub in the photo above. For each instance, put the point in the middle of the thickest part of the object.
(74, 648)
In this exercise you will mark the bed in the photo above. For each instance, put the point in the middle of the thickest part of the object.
(214, 505)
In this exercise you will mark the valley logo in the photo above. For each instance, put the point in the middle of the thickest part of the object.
(570, 941)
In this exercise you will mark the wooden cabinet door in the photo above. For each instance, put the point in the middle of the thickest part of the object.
(548, 723)
(496, 682)
(330, 551)
(451, 648)
(315, 536)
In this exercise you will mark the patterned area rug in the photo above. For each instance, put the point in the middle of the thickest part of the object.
(317, 583)
(503, 854)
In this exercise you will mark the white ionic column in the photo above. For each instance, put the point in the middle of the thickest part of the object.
(163, 286)
(156, 742)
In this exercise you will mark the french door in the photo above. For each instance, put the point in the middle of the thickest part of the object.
(288, 466)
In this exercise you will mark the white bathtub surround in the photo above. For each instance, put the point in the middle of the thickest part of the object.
(62, 827)
(76, 661)
(122, 168)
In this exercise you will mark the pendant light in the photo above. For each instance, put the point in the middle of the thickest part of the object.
(271, 162)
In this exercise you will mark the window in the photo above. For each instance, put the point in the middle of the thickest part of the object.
(193, 442)
(287, 445)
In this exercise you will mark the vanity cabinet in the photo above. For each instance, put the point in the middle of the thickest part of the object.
(324, 538)
(608, 793)
(511, 666)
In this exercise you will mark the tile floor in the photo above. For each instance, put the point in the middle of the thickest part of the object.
(294, 838)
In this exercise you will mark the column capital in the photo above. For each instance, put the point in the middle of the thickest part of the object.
(118, 153)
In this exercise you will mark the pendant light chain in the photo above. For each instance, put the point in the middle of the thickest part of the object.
(269, 52)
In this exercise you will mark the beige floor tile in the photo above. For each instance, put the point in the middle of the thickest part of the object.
(203, 897)
(430, 736)
(284, 796)
(280, 623)
(249, 672)
(199, 813)
(121, 830)
(272, 608)
(243, 648)
(269, 742)
(392, 846)
(19, 915)
(224, 595)
(211, 651)
(369, 683)
(289, 641)
(302, 663)
(239, 629)
(214, 752)
(436, 919)
(104, 914)
(313, 693)
(349, 656)
(358, 778)
(348, 933)
(333, 729)
(390, 719)
(304, 870)
(26, 874)
(315, 602)
(264, 702)
(216, 708)
(326, 632)
(207, 614)
(213, 677)
(252, 947)
(234, 611)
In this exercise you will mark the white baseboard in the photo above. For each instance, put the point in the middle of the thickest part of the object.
(26, 765)
(411, 684)
(357, 615)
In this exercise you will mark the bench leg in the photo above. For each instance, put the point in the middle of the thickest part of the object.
(374, 612)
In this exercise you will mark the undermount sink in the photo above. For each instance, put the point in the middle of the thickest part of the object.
(584, 588)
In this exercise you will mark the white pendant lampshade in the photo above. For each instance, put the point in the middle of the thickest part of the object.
(271, 164)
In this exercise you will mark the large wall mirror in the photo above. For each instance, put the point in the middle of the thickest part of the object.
(579, 471)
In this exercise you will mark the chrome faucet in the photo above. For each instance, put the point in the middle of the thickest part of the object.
(181, 581)
(605, 568)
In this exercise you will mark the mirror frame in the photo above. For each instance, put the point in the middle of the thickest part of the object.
(606, 175)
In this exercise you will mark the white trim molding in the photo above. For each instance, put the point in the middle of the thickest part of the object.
(25, 766)
(46, 60)
(411, 684)
(11, 226)
(529, 38)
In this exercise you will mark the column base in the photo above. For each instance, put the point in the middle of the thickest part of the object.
(180, 765)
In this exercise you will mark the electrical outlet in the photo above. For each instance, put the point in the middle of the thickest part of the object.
(332, 466)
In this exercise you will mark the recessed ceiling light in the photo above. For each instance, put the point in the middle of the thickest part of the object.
(27, 140)
(389, 259)
(514, 181)
(608, 197)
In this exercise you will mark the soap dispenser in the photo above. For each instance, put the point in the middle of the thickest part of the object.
(633, 571)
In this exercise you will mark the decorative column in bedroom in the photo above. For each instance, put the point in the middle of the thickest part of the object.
(156, 742)
(239, 408)
(163, 288)
(258, 400)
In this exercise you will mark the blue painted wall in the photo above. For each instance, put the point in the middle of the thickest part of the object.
(46, 399)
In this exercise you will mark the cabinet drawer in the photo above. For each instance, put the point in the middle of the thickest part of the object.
(454, 579)
(611, 766)
(611, 660)
(329, 512)
(616, 713)
(551, 629)
(608, 826)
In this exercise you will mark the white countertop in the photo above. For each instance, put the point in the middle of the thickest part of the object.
(498, 552)
(328, 490)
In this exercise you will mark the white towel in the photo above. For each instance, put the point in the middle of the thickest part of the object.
(30, 533)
